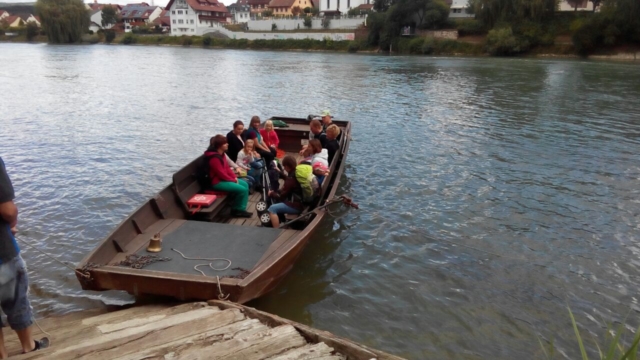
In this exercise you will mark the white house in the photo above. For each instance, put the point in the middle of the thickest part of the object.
(4, 14)
(584, 5)
(240, 11)
(458, 9)
(139, 15)
(197, 17)
(31, 19)
(95, 21)
(335, 7)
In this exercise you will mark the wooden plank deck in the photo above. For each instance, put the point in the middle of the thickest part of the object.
(199, 330)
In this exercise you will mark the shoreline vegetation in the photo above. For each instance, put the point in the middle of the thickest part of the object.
(417, 46)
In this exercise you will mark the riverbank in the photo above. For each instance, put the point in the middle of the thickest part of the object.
(465, 46)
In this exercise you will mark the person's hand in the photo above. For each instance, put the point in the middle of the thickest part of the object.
(270, 193)
(14, 230)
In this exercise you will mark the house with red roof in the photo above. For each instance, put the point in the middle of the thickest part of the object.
(163, 21)
(285, 7)
(197, 17)
(4, 14)
(13, 21)
(141, 14)
(258, 6)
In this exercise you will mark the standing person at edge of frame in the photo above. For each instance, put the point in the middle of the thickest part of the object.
(14, 283)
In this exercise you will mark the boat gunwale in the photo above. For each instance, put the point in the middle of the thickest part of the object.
(261, 267)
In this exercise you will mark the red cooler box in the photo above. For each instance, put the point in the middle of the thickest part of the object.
(198, 201)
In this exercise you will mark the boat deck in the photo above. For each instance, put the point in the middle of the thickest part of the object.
(197, 330)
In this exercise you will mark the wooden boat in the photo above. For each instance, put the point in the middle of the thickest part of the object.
(260, 257)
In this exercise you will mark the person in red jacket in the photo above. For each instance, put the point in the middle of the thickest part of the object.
(224, 179)
(269, 135)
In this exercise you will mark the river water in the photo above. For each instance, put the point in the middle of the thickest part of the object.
(494, 193)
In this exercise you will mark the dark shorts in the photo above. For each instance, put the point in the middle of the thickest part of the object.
(14, 286)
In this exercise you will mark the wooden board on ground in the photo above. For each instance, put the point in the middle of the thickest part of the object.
(220, 330)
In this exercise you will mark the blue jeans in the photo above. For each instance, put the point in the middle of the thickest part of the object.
(282, 208)
(14, 286)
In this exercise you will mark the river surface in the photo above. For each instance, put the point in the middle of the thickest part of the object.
(494, 193)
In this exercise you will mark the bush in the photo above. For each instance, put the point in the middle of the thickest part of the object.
(467, 27)
(206, 41)
(91, 39)
(109, 35)
(502, 42)
(274, 27)
(186, 40)
(307, 22)
(129, 38)
(90, 32)
(353, 47)
(326, 22)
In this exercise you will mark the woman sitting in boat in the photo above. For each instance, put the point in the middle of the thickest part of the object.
(332, 146)
(253, 133)
(235, 138)
(270, 136)
(290, 194)
(224, 179)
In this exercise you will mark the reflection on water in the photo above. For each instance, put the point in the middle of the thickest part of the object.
(493, 192)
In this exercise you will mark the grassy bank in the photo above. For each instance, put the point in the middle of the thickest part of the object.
(205, 41)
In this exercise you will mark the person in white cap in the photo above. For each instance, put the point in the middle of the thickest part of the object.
(327, 121)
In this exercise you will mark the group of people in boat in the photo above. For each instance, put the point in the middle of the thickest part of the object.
(239, 161)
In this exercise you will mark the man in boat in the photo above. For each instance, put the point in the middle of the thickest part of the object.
(14, 283)
(327, 121)
(315, 132)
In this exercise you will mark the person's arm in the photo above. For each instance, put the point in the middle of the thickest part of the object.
(275, 141)
(9, 213)
(8, 210)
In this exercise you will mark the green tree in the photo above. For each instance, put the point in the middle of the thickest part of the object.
(64, 21)
(296, 11)
(326, 23)
(596, 4)
(307, 10)
(436, 13)
(109, 16)
(274, 27)
(574, 4)
(32, 30)
(267, 13)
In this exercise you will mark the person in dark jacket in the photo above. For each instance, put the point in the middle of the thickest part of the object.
(224, 179)
(13, 274)
(235, 140)
(290, 194)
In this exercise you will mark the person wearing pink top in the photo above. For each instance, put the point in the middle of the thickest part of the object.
(269, 135)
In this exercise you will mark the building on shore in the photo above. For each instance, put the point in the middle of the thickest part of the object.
(339, 7)
(240, 11)
(139, 15)
(258, 6)
(163, 21)
(4, 14)
(197, 17)
(459, 9)
(285, 7)
(584, 5)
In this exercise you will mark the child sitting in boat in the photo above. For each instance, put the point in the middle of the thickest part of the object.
(249, 161)
(290, 194)
(224, 179)
(269, 136)
(332, 145)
